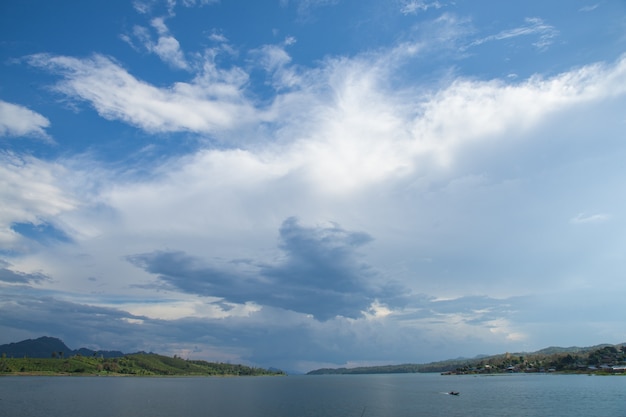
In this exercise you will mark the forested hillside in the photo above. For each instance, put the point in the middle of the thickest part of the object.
(601, 358)
(142, 364)
(49, 355)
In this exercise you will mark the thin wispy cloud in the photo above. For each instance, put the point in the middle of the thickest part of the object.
(589, 8)
(582, 218)
(147, 6)
(534, 26)
(306, 7)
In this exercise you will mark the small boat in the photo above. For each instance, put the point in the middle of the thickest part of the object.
(453, 393)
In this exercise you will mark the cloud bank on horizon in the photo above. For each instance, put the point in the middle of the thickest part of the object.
(313, 183)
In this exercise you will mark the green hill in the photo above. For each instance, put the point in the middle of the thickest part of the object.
(140, 364)
(50, 356)
(599, 358)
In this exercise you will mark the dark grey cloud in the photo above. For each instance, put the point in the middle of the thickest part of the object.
(16, 277)
(320, 274)
(179, 271)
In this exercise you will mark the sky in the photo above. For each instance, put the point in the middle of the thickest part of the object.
(313, 183)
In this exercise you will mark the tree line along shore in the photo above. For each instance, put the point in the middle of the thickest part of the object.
(140, 364)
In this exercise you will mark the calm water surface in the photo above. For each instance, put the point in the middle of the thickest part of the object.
(316, 396)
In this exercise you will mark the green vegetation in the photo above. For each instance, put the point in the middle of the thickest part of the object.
(606, 359)
(603, 359)
(136, 364)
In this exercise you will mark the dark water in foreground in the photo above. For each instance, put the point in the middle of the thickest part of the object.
(316, 396)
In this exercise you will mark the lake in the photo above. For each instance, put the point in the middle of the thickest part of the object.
(512, 395)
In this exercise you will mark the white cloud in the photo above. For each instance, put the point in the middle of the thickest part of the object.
(468, 110)
(16, 120)
(166, 47)
(213, 102)
(376, 311)
(360, 133)
(143, 6)
(218, 37)
(339, 127)
(415, 6)
(178, 309)
(275, 60)
(503, 327)
(272, 57)
(31, 191)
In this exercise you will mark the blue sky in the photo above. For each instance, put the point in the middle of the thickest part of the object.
(309, 183)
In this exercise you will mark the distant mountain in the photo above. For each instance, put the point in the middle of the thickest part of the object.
(46, 347)
(573, 349)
